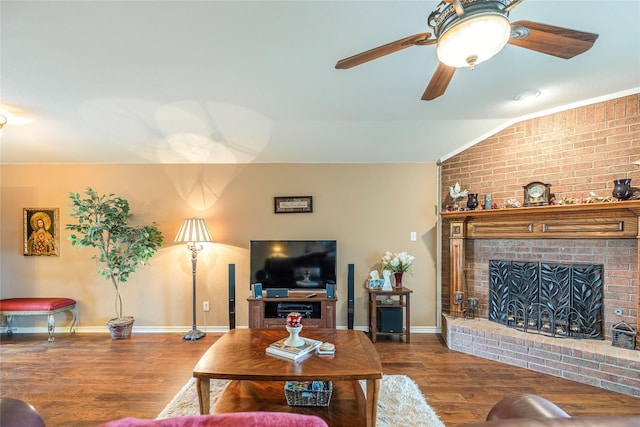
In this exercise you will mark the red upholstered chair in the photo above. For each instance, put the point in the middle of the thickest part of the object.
(236, 419)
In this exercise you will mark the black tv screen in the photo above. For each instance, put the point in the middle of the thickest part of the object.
(293, 264)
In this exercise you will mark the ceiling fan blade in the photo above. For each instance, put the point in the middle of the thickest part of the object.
(439, 82)
(555, 41)
(377, 52)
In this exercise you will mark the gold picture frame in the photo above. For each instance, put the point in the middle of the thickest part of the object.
(297, 204)
(41, 233)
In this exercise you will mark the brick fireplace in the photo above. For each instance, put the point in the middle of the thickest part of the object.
(608, 235)
(579, 152)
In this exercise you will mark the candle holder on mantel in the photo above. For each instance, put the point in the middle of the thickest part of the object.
(458, 300)
(472, 201)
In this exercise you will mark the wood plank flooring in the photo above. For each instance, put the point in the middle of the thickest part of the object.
(87, 379)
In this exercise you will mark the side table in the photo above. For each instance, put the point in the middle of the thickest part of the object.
(401, 300)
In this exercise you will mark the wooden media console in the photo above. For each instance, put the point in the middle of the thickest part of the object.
(318, 312)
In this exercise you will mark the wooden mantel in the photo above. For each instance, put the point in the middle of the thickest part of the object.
(612, 220)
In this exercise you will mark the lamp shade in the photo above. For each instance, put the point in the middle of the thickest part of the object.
(193, 230)
(473, 40)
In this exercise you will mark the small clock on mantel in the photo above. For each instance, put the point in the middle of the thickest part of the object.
(537, 194)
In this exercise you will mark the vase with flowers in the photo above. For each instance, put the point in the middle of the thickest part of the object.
(398, 263)
(294, 326)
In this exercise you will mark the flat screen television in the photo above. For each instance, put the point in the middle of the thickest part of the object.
(293, 264)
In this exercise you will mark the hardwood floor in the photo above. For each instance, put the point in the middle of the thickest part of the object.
(86, 379)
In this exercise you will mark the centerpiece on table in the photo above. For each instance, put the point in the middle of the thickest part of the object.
(293, 347)
(399, 263)
(294, 326)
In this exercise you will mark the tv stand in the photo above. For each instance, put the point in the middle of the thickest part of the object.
(265, 312)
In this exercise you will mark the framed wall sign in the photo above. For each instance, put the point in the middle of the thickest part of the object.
(41, 231)
(297, 204)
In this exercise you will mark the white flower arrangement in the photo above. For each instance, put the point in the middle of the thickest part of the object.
(399, 262)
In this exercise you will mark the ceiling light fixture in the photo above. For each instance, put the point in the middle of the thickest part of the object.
(527, 95)
(3, 121)
(470, 34)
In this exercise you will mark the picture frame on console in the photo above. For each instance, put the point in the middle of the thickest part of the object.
(295, 204)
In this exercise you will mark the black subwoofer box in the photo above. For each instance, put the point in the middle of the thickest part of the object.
(389, 319)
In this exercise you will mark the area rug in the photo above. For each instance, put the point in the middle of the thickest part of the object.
(400, 403)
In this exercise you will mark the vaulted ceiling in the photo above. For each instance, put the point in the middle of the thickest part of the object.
(254, 81)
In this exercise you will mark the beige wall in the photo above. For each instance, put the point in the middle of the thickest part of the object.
(367, 208)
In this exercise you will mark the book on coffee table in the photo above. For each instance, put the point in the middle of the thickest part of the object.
(326, 348)
(278, 348)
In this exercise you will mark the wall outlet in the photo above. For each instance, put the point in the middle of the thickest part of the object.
(205, 305)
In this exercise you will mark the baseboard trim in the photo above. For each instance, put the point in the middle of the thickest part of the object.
(176, 329)
(103, 329)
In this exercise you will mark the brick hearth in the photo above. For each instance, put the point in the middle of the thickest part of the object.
(593, 362)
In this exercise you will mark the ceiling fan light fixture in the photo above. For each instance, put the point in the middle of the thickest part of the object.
(473, 39)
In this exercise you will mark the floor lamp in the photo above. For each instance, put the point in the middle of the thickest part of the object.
(193, 231)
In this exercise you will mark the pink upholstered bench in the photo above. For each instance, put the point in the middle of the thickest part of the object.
(37, 306)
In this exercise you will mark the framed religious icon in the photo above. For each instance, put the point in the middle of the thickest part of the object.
(41, 231)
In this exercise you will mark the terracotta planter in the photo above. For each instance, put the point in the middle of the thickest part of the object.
(120, 329)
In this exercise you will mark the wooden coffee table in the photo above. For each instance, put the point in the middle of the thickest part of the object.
(240, 355)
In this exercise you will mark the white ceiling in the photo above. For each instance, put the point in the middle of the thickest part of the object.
(254, 81)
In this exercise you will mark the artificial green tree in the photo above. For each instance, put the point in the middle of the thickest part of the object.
(103, 223)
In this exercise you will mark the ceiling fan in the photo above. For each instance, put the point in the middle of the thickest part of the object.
(468, 32)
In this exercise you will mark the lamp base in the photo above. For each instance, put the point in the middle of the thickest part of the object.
(194, 335)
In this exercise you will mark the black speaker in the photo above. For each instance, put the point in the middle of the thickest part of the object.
(277, 293)
(331, 290)
(232, 296)
(257, 290)
(390, 319)
(350, 295)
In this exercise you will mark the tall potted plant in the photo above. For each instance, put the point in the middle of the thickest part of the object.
(103, 223)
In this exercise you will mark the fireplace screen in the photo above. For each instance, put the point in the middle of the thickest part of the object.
(560, 300)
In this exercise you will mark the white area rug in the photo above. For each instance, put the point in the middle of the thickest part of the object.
(400, 403)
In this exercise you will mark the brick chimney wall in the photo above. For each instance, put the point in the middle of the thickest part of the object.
(577, 151)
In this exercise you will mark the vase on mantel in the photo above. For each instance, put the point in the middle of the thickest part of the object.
(398, 277)
(622, 188)
(294, 339)
(472, 201)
